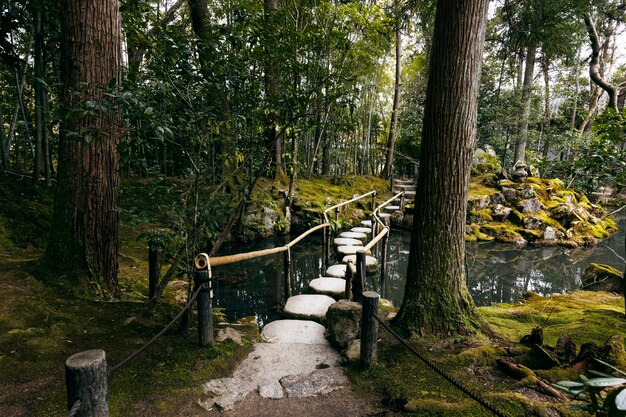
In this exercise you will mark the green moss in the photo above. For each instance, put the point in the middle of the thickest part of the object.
(503, 232)
(478, 190)
(481, 355)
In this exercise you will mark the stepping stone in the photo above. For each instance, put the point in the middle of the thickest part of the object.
(406, 187)
(333, 287)
(295, 331)
(370, 261)
(366, 223)
(308, 306)
(391, 208)
(318, 382)
(336, 271)
(345, 241)
(353, 235)
(349, 250)
(366, 230)
(384, 215)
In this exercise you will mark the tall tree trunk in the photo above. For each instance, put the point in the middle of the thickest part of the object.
(547, 114)
(84, 239)
(39, 87)
(272, 139)
(522, 134)
(436, 299)
(3, 143)
(393, 126)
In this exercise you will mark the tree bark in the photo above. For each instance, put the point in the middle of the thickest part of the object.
(547, 113)
(84, 239)
(595, 68)
(522, 135)
(393, 126)
(436, 299)
(38, 86)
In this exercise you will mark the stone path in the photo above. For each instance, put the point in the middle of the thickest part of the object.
(297, 361)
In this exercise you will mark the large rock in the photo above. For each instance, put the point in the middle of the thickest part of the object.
(294, 331)
(318, 382)
(308, 306)
(353, 351)
(500, 212)
(510, 195)
(343, 320)
(519, 172)
(333, 287)
(599, 277)
(530, 205)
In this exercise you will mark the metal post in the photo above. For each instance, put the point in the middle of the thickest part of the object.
(383, 264)
(86, 380)
(359, 279)
(203, 279)
(153, 269)
(369, 329)
(287, 273)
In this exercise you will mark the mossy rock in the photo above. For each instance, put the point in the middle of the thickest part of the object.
(479, 216)
(503, 232)
(600, 277)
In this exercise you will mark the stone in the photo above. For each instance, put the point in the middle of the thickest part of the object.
(391, 208)
(344, 241)
(318, 382)
(272, 391)
(500, 212)
(530, 205)
(599, 277)
(565, 349)
(348, 250)
(549, 233)
(528, 192)
(229, 334)
(533, 171)
(479, 202)
(510, 195)
(333, 287)
(366, 230)
(366, 223)
(353, 351)
(534, 223)
(353, 235)
(294, 331)
(370, 261)
(519, 173)
(497, 198)
(308, 306)
(336, 271)
(343, 320)
(396, 219)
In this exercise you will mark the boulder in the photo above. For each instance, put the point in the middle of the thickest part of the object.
(510, 195)
(353, 351)
(497, 198)
(318, 382)
(343, 320)
(534, 223)
(565, 349)
(530, 205)
(599, 277)
(528, 192)
(549, 233)
(478, 202)
(519, 173)
(228, 334)
(500, 212)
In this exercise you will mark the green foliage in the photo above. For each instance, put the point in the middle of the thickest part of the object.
(603, 394)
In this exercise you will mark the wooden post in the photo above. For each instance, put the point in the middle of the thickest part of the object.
(326, 247)
(205, 309)
(153, 269)
(336, 219)
(374, 225)
(402, 200)
(359, 278)
(369, 329)
(287, 273)
(86, 380)
(383, 264)
(373, 202)
(349, 277)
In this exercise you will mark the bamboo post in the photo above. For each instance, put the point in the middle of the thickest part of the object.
(202, 280)
(86, 380)
(287, 272)
(373, 202)
(369, 329)
(383, 264)
(359, 278)
(374, 225)
(326, 247)
(336, 219)
(153, 269)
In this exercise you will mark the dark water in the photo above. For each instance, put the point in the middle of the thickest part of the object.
(497, 272)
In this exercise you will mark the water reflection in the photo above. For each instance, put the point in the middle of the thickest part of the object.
(496, 272)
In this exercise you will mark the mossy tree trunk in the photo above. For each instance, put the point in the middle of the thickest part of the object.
(84, 237)
(436, 299)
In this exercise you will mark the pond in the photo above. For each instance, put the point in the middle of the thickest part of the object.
(497, 272)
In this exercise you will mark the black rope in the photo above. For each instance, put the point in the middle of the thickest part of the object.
(157, 336)
(474, 396)
(74, 410)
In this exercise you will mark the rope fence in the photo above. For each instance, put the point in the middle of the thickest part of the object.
(473, 395)
(74, 410)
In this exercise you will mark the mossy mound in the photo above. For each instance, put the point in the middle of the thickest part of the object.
(537, 210)
(599, 277)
